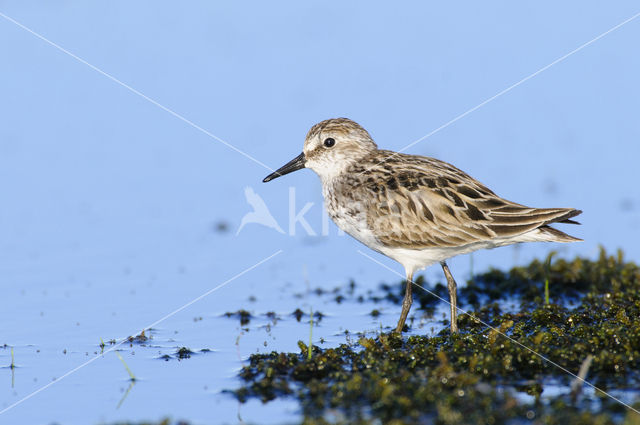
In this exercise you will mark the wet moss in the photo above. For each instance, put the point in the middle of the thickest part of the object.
(568, 280)
(184, 353)
(298, 314)
(243, 315)
(165, 421)
(485, 374)
(140, 338)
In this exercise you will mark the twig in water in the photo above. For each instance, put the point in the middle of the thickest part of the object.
(576, 385)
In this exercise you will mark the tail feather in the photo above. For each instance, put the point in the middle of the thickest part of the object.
(565, 217)
(556, 235)
(521, 220)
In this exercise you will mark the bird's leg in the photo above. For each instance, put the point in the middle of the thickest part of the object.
(406, 303)
(453, 296)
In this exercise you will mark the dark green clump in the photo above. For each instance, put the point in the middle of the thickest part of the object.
(139, 339)
(568, 280)
(184, 353)
(165, 421)
(243, 315)
(481, 376)
(298, 314)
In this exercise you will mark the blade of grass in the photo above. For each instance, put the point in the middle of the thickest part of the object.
(546, 277)
(306, 279)
(310, 347)
(13, 369)
(125, 394)
(131, 375)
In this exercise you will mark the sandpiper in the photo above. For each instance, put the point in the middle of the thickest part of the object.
(414, 209)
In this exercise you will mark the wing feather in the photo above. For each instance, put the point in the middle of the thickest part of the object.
(418, 202)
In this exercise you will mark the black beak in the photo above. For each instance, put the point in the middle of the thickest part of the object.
(291, 166)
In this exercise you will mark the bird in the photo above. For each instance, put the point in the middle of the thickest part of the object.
(260, 213)
(414, 209)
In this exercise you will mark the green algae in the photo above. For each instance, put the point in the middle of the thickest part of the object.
(184, 353)
(243, 315)
(495, 374)
(141, 338)
(165, 421)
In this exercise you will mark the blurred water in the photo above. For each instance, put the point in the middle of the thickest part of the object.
(115, 213)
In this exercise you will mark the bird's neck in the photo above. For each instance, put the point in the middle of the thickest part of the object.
(336, 172)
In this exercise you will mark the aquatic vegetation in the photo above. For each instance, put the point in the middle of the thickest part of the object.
(132, 377)
(165, 421)
(183, 353)
(141, 338)
(243, 315)
(483, 374)
(299, 314)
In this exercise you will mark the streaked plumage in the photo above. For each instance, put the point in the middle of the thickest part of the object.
(416, 210)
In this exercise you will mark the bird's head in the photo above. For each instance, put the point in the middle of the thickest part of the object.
(331, 146)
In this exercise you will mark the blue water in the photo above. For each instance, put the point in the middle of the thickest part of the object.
(116, 213)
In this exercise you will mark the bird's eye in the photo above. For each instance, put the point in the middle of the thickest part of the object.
(329, 142)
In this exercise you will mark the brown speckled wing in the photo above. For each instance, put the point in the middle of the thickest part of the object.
(417, 202)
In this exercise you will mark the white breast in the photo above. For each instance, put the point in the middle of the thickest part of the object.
(350, 216)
